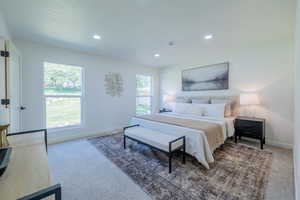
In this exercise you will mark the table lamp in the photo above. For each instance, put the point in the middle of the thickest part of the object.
(168, 100)
(249, 100)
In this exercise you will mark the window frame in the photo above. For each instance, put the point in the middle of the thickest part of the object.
(81, 97)
(151, 92)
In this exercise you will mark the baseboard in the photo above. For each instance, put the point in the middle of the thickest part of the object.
(65, 137)
(273, 143)
(295, 175)
(279, 144)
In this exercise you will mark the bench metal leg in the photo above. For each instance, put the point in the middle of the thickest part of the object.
(183, 151)
(169, 152)
(124, 140)
(42, 194)
(58, 194)
(170, 162)
(222, 147)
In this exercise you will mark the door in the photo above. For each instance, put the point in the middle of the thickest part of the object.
(2, 72)
(15, 88)
(4, 109)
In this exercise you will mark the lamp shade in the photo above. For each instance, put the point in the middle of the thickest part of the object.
(249, 99)
(168, 98)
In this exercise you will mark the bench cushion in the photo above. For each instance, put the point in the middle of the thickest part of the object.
(153, 138)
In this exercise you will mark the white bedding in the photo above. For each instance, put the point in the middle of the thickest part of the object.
(196, 142)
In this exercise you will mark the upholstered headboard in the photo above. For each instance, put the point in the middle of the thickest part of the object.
(234, 101)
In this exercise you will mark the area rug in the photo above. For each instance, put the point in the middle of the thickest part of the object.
(240, 172)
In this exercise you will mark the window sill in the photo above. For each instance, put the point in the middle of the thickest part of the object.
(65, 128)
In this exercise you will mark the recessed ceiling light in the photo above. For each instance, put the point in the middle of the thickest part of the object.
(156, 55)
(171, 43)
(208, 37)
(97, 37)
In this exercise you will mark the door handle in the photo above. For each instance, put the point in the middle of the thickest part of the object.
(22, 108)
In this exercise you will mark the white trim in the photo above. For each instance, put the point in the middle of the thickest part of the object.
(68, 126)
(146, 96)
(279, 144)
(273, 143)
(63, 96)
(151, 99)
(12, 48)
(21, 90)
(80, 96)
(295, 172)
(64, 128)
(80, 134)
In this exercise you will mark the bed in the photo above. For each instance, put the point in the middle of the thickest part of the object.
(198, 143)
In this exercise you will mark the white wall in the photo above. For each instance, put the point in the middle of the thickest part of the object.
(297, 105)
(102, 112)
(4, 33)
(266, 68)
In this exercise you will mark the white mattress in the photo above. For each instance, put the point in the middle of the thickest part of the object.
(196, 141)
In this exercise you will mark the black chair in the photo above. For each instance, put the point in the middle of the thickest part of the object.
(53, 190)
(33, 131)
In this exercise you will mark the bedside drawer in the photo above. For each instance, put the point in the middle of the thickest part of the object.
(251, 129)
(253, 133)
(245, 123)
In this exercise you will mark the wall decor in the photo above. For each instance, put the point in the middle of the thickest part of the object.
(210, 77)
(114, 84)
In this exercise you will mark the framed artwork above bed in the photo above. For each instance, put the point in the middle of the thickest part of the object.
(210, 77)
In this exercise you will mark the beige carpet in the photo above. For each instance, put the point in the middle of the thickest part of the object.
(86, 174)
(240, 172)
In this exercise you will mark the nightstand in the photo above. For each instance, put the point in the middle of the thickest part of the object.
(250, 127)
(164, 110)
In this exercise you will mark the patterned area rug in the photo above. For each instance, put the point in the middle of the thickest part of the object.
(239, 173)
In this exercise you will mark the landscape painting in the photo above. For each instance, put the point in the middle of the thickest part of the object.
(211, 77)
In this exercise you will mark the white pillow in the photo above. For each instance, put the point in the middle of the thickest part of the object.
(201, 101)
(228, 103)
(183, 100)
(179, 107)
(195, 109)
(188, 108)
(213, 110)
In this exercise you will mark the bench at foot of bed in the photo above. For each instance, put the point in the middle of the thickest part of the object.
(157, 140)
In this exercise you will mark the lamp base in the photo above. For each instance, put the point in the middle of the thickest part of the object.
(250, 113)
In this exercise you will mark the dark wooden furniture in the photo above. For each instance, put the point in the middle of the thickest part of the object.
(164, 110)
(42, 194)
(4, 159)
(250, 127)
(170, 151)
(27, 172)
(34, 131)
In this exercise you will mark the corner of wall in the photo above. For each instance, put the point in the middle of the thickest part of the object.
(295, 173)
(4, 32)
(296, 150)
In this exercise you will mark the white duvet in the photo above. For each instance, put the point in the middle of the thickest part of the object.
(196, 142)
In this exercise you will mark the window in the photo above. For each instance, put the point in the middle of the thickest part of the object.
(143, 94)
(63, 95)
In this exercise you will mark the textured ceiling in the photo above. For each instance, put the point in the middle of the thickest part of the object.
(136, 29)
